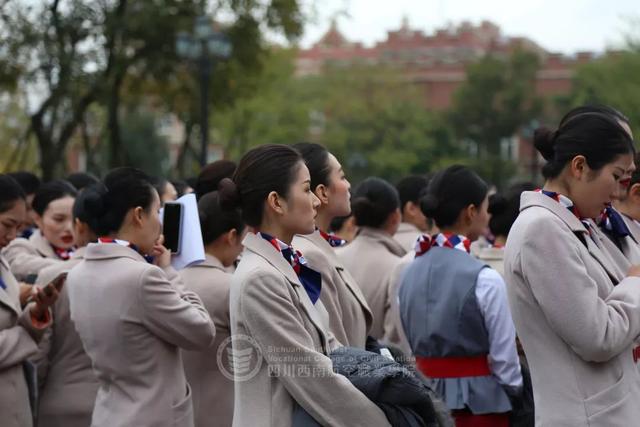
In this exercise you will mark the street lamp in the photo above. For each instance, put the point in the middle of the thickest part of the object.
(204, 46)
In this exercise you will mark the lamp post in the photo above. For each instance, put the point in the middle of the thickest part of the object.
(204, 47)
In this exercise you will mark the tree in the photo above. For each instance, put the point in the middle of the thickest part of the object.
(368, 116)
(75, 53)
(610, 80)
(497, 98)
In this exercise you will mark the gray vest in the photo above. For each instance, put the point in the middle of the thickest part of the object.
(441, 318)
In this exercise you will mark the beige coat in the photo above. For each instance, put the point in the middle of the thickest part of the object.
(631, 244)
(68, 385)
(393, 331)
(617, 264)
(284, 340)
(407, 235)
(577, 329)
(132, 317)
(29, 256)
(212, 391)
(18, 342)
(370, 259)
(493, 257)
(349, 315)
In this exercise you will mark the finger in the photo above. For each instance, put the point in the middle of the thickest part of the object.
(160, 240)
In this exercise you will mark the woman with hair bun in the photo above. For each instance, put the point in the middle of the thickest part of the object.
(374, 253)
(222, 234)
(67, 383)
(503, 210)
(21, 328)
(576, 327)
(278, 322)
(52, 242)
(132, 311)
(454, 308)
(608, 229)
(349, 315)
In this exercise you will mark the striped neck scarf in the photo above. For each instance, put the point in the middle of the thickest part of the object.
(64, 254)
(443, 240)
(103, 240)
(311, 280)
(611, 221)
(332, 239)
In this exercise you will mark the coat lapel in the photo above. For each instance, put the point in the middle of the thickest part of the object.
(633, 226)
(41, 245)
(532, 198)
(11, 295)
(599, 252)
(262, 248)
(319, 241)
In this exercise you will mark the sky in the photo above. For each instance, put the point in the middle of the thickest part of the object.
(566, 26)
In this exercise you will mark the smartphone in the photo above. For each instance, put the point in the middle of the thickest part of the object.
(56, 283)
(172, 226)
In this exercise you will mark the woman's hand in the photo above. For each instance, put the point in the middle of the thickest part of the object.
(44, 298)
(162, 255)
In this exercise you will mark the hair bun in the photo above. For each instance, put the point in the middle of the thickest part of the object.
(228, 194)
(545, 140)
(498, 204)
(95, 202)
(429, 205)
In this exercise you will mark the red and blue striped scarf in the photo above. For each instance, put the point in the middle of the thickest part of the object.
(64, 254)
(332, 239)
(311, 280)
(611, 221)
(443, 240)
(147, 258)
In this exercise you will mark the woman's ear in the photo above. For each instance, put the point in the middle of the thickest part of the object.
(634, 193)
(578, 166)
(470, 213)
(232, 237)
(138, 216)
(275, 203)
(322, 193)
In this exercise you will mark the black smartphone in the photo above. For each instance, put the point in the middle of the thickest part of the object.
(172, 226)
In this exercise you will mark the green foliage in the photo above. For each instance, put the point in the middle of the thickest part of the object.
(144, 147)
(372, 120)
(497, 98)
(611, 80)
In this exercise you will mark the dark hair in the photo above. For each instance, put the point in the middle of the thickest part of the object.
(160, 184)
(338, 222)
(316, 157)
(106, 205)
(373, 201)
(410, 188)
(504, 208)
(81, 180)
(27, 180)
(215, 221)
(450, 191)
(10, 192)
(267, 168)
(51, 191)
(211, 175)
(180, 186)
(596, 108)
(596, 136)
